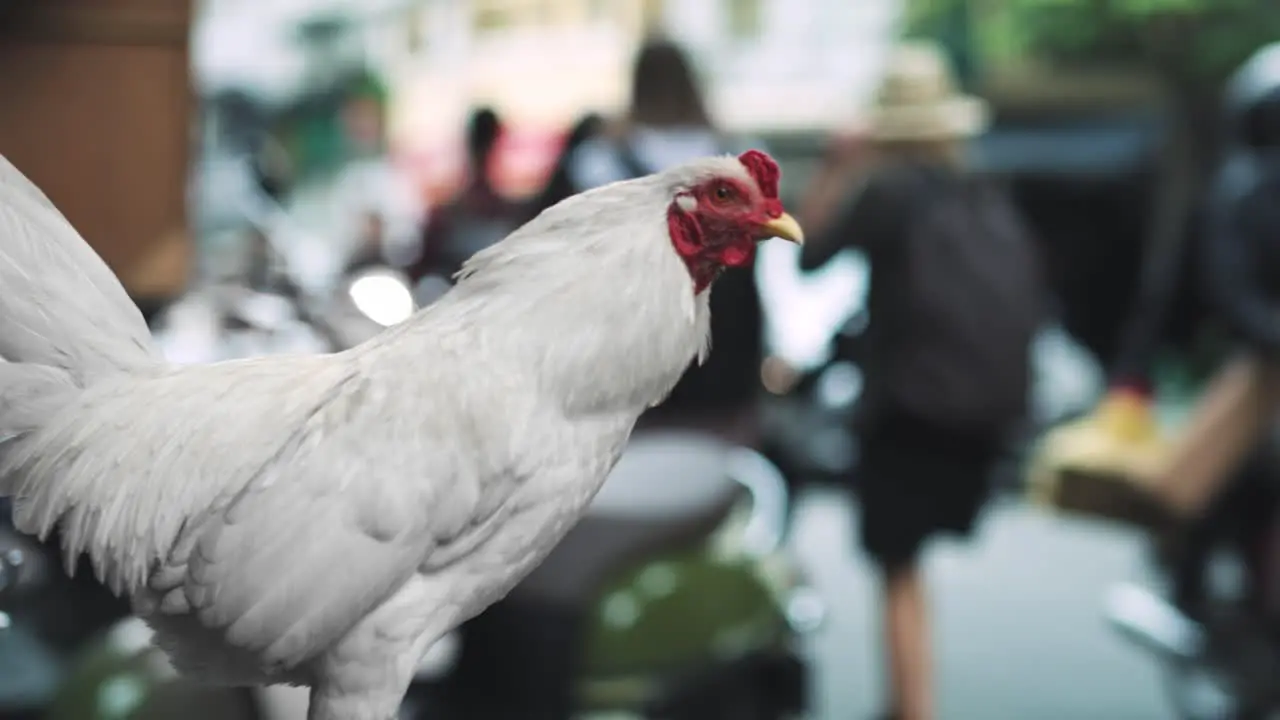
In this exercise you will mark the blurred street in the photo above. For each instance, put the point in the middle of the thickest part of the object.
(1018, 618)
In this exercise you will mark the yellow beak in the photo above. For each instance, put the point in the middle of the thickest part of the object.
(785, 227)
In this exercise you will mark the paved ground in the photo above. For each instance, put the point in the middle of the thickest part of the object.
(1017, 614)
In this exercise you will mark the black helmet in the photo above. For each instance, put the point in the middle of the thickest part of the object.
(1253, 101)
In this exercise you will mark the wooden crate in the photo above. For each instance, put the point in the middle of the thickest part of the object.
(96, 107)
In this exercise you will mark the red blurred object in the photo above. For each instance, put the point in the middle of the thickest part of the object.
(522, 159)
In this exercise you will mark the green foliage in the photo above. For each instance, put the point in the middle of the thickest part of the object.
(930, 18)
(1194, 40)
(364, 84)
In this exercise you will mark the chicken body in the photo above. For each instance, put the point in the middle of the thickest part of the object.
(322, 520)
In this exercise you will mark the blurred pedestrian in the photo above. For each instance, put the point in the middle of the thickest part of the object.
(1240, 262)
(954, 302)
(478, 215)
(1241, 258)
(1218, 483)
(559, 184)
(667, 124)
(372, 187)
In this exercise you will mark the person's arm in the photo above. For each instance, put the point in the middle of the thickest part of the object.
(825, 197)
(841, 165)
(869, 211)
(1233, 273)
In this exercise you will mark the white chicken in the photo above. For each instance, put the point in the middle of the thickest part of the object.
(322, 520)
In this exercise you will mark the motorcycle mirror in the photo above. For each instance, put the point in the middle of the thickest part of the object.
(383, 296)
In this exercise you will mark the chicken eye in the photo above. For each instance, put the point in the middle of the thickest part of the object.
(723, 193)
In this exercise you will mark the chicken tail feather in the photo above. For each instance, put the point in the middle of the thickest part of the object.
(62, 307)
(29, 394)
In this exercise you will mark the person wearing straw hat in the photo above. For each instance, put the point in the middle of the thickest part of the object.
(955, 298)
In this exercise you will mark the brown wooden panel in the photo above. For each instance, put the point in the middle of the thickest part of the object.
(104, 129)
(125, 22)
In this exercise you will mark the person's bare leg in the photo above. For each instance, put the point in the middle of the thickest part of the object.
(908, 643)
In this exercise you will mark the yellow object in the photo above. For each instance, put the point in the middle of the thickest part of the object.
(1127, 416)
(1119, 443)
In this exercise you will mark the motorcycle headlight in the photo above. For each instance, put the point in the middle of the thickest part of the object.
(382, 296)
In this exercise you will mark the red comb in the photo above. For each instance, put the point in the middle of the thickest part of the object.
(763, 170)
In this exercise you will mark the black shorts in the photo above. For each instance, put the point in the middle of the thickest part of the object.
(916, 480)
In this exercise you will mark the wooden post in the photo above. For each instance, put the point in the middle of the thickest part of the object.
(96, 107)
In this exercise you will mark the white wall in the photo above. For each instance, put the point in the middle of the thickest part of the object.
(815, 64)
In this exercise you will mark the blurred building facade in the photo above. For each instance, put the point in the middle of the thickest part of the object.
(770, 65)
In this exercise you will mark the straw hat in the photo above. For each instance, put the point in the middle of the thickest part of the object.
(918, 99)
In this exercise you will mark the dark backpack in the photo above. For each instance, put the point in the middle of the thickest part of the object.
(972, 301)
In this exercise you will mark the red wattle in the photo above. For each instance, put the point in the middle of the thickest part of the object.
(687, 239)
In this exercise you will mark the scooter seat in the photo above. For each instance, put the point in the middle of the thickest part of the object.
(669, 489)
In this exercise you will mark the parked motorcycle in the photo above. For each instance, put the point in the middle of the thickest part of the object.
(1214, 621)
(673, 598)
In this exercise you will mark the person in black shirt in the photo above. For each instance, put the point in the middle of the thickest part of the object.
(918, 475)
